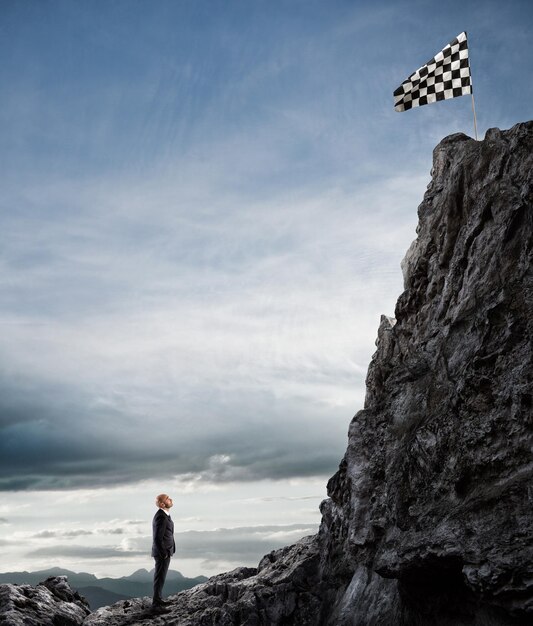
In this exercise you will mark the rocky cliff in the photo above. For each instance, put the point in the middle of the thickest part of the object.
(430, 514)
(429, 518)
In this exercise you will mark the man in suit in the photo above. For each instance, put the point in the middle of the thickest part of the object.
(163, 547)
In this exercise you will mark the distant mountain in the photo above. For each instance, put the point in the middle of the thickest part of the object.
(141, 576)
(98, 597)
(105, 591)
(144, 576)
(34, 578)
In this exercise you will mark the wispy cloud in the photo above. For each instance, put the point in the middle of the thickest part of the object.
(239, 543)
(279, 499)
(84, 552)
(213, 548)
(48, 534)
(71, 534)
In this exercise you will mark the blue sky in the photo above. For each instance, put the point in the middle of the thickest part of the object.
(204, 208)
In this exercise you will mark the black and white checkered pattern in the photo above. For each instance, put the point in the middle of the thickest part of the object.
(446, 76)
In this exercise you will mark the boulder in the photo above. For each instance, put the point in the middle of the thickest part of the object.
(51, 603)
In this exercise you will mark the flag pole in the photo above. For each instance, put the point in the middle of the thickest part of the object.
(474, 111)
(472, 94)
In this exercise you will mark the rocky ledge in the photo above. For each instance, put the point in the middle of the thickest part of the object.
(429, 518)
(51, 603)
(281, 590)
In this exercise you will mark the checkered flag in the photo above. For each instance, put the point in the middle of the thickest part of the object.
(446, 76)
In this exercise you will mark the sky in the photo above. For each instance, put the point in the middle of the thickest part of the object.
(203, 213)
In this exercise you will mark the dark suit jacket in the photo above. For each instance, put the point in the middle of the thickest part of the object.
(163, 545)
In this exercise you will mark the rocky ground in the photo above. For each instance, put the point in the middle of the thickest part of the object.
(52, 603)
(429, 518)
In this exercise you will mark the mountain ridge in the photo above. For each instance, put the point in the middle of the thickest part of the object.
(106, 590)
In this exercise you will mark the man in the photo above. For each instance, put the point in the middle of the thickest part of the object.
(163, 547)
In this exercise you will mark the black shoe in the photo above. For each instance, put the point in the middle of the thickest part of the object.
(160, 608)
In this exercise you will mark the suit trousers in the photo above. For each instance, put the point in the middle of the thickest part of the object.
(160, 573)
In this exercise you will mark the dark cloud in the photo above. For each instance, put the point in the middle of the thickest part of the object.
(3, 520)
(58, 440)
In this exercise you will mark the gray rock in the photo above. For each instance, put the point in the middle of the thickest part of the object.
(282, 590)
(51, 603)
(434, 492)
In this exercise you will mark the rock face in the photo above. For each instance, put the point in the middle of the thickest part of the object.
(429, 519)
(51, 603)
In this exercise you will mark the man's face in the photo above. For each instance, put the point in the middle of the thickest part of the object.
(167, 504)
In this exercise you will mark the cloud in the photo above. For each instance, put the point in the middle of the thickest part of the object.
(236, 348)
(207, 309)
(238, 544)
(279, 499)
(48, 534)
(84, 552)
(224, 545)
(230, 452)
(223, 304)
(245, 544)
(112, 527)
